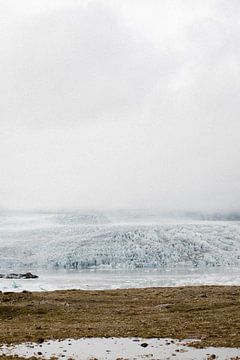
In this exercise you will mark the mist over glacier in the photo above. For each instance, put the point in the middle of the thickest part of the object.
(109, 105)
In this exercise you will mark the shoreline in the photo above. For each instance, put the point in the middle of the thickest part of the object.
(208, 313)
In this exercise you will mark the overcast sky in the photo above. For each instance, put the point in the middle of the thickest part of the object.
(120, 104)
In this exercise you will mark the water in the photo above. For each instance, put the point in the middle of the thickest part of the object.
(119, 279)
(119, 348)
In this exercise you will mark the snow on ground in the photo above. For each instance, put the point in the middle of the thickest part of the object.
(119, 348)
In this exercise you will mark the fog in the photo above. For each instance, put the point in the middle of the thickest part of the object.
(120, 105)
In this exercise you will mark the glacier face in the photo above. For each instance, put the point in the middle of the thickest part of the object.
(80, 241)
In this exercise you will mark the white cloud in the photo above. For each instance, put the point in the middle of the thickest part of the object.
(120, 104)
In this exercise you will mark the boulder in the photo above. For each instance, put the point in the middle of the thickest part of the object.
(27, 275)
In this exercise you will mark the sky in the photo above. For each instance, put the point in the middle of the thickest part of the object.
(120, 104)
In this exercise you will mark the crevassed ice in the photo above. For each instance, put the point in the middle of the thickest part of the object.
(84, 241)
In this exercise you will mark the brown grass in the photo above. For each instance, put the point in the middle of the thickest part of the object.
(209, 313)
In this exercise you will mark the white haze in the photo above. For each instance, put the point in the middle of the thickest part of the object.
(120, 104)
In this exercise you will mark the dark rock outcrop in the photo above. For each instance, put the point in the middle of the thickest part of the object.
(27, 275)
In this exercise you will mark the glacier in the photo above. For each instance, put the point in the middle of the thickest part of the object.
(76, 241)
